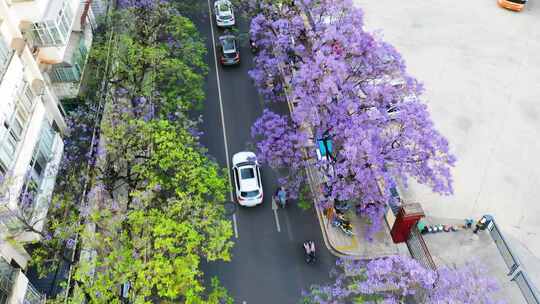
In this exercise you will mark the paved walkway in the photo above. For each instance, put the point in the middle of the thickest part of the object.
(481, 69)
(457, 248)
(356, 246)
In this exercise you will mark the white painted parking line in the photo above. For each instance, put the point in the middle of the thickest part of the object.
(235, 224)
(274, 208)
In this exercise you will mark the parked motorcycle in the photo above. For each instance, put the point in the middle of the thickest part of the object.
(342, 223)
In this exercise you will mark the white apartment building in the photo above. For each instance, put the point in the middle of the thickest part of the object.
(43, 50)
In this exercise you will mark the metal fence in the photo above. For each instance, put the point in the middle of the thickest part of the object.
(419, 250)
(415, 243)
(514, 266)
(33, 296)
(527, 290)
(510, 260)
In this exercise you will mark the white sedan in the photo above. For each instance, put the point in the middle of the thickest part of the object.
(247, 179)
(224, 13)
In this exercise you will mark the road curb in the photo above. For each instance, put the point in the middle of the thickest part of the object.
(320, 217)
(327, 243)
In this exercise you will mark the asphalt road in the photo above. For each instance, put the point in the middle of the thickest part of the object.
(267, 265)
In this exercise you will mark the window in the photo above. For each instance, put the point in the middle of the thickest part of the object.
(4, 51)
(236, 178)
(246, 173)
(5, 56)
(259, 177)
(12, 131)
(73, 72)
(228, 45)
(54, 32)
(40, 158)
(66, 74)
(253, 193)
(224, 7)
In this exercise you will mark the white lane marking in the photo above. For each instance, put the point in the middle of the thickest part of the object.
(235, 225)
(222, 115)
(274, 208)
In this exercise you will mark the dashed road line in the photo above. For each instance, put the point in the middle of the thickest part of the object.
(289, 229)
(274, 208)
(235, 225)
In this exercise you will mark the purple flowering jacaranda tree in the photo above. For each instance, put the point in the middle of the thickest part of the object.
(393, 279)
(351, 86)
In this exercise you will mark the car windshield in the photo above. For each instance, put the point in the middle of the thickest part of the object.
(247, 173)
(224, 8)
(249, 193)
(225, 17)
(228, 45)
(229, 55)
(518, 1)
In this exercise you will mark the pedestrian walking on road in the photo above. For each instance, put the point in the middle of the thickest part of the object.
(281, 196)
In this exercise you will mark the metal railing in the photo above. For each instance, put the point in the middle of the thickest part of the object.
(515, 268)
(415, 243)
(54, 32)
(419, 250)
(6, 54)
(33, 296)
(6, 276)
(527, 289)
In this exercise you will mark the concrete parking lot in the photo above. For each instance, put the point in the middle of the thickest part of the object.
(481, 68)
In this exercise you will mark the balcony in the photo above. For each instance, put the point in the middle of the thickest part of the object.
(65, 77)
(6, 53)
(15, 287)
(7, 273)
(32, 296)
(54, 31)
(71, 72)
(37, 189)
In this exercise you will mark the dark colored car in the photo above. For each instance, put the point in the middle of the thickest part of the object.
(229, 53)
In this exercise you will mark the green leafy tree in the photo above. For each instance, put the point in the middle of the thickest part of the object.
(156, 204)
(175, 218)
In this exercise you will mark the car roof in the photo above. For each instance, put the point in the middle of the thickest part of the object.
(244, 156)
(249, 184)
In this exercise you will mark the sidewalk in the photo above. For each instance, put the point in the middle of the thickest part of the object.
(457, 248)
(339, 244)
(356, 246)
